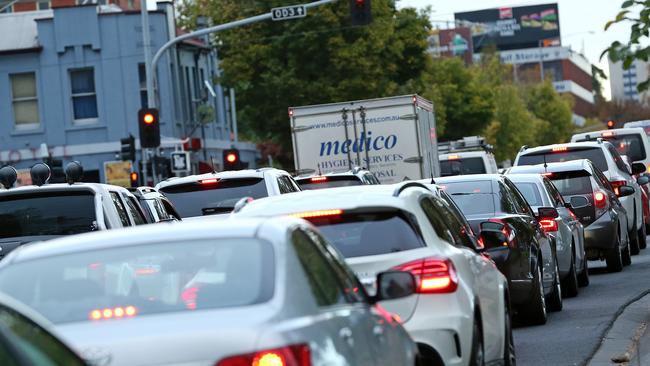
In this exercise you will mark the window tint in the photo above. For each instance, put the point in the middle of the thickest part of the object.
(323, 282)
(521, 205)
(530, 192)
(462, 166)
(285, 185)
(572, 182)
(556, 197)
(330, 182)
(507, 201)
(602, 180)
(618, 160)
(121, 211)
(437, 220)
(630, 145)
(459, 223)
(135, 212)
(35, 343)
(595, 154)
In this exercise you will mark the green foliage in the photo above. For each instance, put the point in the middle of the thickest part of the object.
(636, 13)
(553, 112)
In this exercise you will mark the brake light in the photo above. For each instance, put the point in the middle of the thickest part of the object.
(317, 213)
(432, 275)
(453, 157)
(209, 181)
(547, 174)
(117, 312)
(319, 179)
(648, 170)
(600, 199)
(296, 355)
(560, 149)
(549, 225)
(616, 184)
(607, 134)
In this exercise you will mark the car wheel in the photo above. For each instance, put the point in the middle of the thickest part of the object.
(509, 357)
(626, 254)
(534, 313)
(583, 277)
(643, 243)
(477, 357)
(570, 283)
(554, 300)
(614, 259)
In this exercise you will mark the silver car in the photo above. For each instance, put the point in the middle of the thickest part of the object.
(237, 292)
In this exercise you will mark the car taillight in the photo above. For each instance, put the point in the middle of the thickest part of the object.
(296, 355)
(549, 225)
(616, 184)
(432, 275)
(600, 199)
(316, 214)
(509, 234)
(318, 179)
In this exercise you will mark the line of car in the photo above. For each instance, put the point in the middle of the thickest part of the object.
(322, 269)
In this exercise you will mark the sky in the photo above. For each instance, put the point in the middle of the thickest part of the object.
(577, 17)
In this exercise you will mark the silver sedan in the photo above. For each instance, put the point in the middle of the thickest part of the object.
(237, 292)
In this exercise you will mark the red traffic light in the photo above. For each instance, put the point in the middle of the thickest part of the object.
(231, 157)
(148, 118)
(134, 177)
(610, 124)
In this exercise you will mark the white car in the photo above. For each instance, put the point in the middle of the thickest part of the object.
(469, 155)
(218, 193)
(236, 292)
(460, 314)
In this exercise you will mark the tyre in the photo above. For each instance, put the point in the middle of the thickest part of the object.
(554, 301)
(570, 284)
(634, 243)
(477, 357)
(583, 277)
(626, 254)
(509, 357)
(643, 243)
(613, 258)
(534, 313)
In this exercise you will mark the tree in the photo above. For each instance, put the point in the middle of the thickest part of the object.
(636, 12)
(553, 111)
(317, 59)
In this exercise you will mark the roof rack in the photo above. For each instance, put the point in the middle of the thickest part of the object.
(469, 143)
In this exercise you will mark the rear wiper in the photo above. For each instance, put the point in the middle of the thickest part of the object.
(206, 211)
(462, 194)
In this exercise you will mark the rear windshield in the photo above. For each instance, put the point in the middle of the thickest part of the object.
(594, 154)
(52, 213)
(630, 145)
(530, 192)
(572, 183)
(329, 182)
(363, 234)
(199, 199)
(462, 167)
(473, 198)
(148, 279)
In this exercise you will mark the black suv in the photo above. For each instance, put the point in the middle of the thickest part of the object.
(598, 208)
(525, 254)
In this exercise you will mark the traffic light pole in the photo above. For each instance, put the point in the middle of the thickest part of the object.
(151, 99)
(146, 44)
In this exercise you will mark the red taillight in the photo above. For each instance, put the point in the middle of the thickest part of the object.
(296, 355)
(560, 149)
(318, 179)
(453, 157)
(549, 225)
(433, 275)
(209, 181)
(316, 214)
(607, 134)
(616, 184)
(600, 199)
(548, 174)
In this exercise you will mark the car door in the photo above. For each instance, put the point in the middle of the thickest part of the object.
(347, 322)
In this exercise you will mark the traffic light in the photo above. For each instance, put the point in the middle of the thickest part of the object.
(135, 179)
(127, 148)
(149, 127)
(231, 159)
(360, 12)
(610, 124)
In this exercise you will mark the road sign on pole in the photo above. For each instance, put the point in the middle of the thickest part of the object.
(288, 12)
(180, 161)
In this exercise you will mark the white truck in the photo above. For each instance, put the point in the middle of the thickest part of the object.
(395, 138)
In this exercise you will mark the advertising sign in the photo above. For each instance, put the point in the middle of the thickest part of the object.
(512, 27)
(451, 43)
(118, 173)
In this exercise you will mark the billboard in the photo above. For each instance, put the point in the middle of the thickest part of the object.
(118, 173)
(512, 28)
(451, 43)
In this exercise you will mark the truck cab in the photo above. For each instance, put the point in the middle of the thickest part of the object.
(469, 155)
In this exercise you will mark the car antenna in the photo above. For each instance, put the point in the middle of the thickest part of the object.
(433, 181)
(214, 166)
(545, 165)
(319, 172)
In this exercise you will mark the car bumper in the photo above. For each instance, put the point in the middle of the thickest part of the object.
(600, 234)
(520, 291)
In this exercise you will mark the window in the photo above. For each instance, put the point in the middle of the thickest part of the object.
(84, 99)
(325, 287)
(135, 211)
(286, 185)
(618, 160)
(520, 202)
(43, 5)
(24, 100)
(437, 221)
(8, 9)
(459, 223)
(556, 197)
(121, 211)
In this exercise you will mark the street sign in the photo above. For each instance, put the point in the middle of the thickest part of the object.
(288, 12)
(180, 161)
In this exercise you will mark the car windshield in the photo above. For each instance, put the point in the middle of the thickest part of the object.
(373, 233)
(572, 183)
(630, 145)
(51, 213)
(530, 192)
(329, 182)
(147, 279)
(462, 167)
(213, 197)
(473, 198)
(594, 154)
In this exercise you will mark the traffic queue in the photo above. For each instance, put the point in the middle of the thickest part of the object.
(258, 267)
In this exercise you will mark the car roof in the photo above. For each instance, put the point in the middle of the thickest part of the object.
(469, 178)
(144, 235)
(565, 166)
(232, 174)
(58, 187)
(467, 154)
(340, 174)
(344, 198)
(526, 177)
(545, 148)
(616, 131)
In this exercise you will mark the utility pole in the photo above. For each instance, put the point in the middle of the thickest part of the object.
(146, 48)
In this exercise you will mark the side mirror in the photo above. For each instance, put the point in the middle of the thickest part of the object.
(496, 242)
(638, 168)
(547, 212)
(579, 202)
(393, 285)
(624, 191)
(644, 179)
(568, 205)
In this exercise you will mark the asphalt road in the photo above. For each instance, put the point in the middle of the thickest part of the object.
(570, 337)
